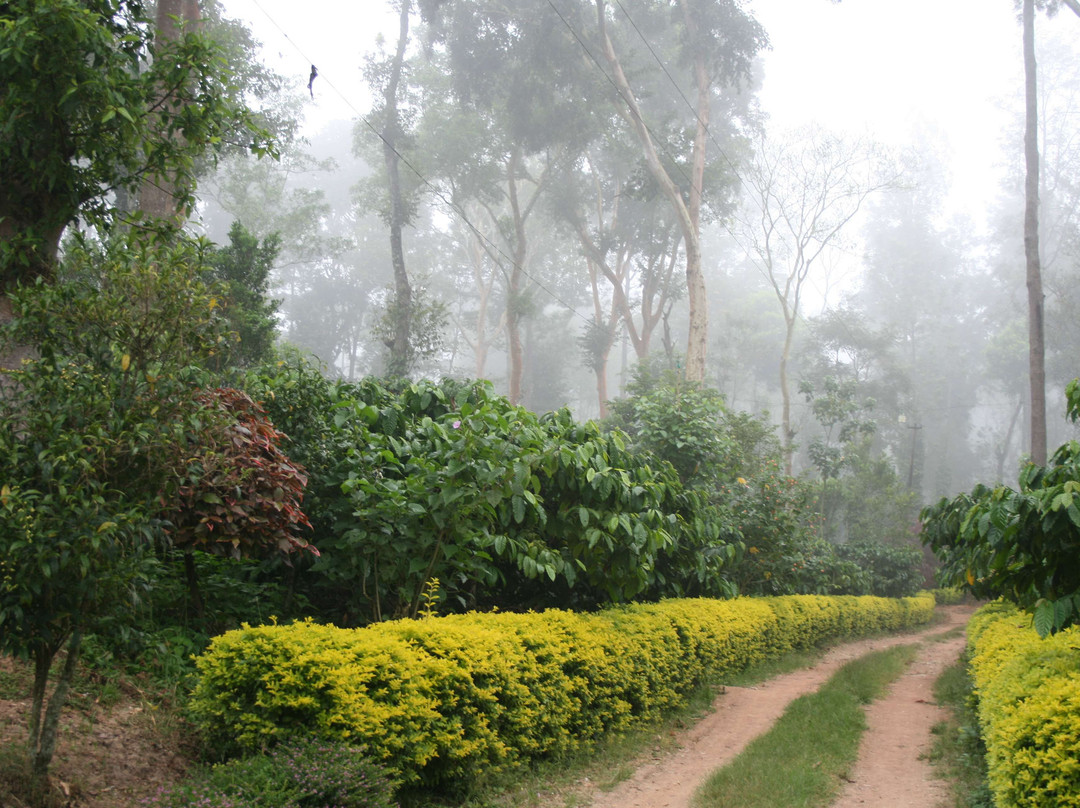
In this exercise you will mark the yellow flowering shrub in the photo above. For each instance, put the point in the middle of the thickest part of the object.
(1029, 708)
(446, 700)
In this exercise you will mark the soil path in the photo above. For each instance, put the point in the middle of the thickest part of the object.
(740, 714)
(892, 768)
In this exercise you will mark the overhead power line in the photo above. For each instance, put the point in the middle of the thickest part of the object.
(435, 190)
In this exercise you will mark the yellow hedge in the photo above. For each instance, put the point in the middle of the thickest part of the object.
(444, 700)
(1029, 708)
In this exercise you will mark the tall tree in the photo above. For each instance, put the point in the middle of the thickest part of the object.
(507, 96)
(159, 193)
(1036, 326)
(802, 191)
(719, 42)
(401, 308)
(1036, 344)
(84, 115)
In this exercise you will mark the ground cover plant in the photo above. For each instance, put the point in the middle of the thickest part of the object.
(958, 751)
(296, 774)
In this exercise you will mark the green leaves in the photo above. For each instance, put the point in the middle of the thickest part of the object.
(1017, 543)
(82, 116)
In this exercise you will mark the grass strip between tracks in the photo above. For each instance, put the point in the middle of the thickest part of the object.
(803, 760)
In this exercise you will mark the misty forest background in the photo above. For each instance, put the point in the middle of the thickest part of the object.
(542, 254)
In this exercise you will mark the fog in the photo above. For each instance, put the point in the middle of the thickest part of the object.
(860, 214)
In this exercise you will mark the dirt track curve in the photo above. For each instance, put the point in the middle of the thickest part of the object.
(890, 772)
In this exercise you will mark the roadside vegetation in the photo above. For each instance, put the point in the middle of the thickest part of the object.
(958, 751)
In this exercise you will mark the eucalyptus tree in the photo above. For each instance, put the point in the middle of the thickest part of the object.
(615, 213)
(387, 76)
(508, 98)
(1059, 243)
(1036, 326)
(475, 312)
(716, 46)
(801, 193)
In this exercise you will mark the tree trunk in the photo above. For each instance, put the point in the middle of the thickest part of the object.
(697, 340)
(515, 291)
(157, 194)
(401, 310)
(43, 731)
(1036, 349)
(195, 600)
(787, 433)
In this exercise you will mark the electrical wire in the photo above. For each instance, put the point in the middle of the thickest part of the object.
(435, 190)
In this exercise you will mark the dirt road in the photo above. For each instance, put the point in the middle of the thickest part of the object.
(888, 769)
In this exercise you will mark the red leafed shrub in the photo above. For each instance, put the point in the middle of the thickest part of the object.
(239, 495)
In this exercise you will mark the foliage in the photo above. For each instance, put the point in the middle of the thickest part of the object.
(299, 773)
(243, 268)
(92, 105)
(950, 596)
(1018, 543)
(238, 493)
(869, 503)
(444, 702)
(1028, 691)
(843, 421)
(427, 323)
(772, 513)
(625, 520)
(735, 458)
(680, 422)
(89, 424)
(449, 481)
(891, 572)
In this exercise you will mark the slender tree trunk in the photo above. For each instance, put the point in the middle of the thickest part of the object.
(43, 730)
(1004, 451)
(515, 291)
(401, 310)
(787, 433)
(1036, 345)
(697, 340)
(191, 575)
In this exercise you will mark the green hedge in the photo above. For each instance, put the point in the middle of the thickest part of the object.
(442, 700)
(1029, 707)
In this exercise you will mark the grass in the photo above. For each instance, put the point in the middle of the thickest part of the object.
(957, 751)
(793, 661)
(812, 747)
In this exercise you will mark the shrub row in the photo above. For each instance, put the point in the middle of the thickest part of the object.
(949, 596)
(443, 700)
(1029, 708)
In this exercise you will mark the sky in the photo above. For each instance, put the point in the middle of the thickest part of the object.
(885, 68)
